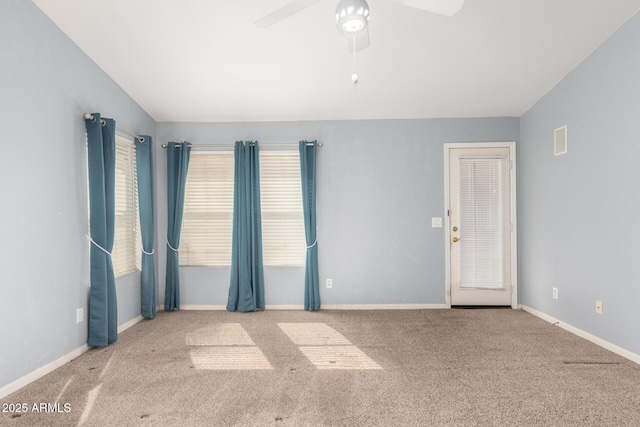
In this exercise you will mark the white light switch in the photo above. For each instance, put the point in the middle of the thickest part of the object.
(436, 222)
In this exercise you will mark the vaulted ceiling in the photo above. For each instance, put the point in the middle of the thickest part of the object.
(204, 60)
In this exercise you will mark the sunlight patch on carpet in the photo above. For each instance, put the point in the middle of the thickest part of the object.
(313, 334)
(327, 348)
(223, 334)
(107, 366)
(229, 358)
(91, 401)
(63, 390)
(339, 357)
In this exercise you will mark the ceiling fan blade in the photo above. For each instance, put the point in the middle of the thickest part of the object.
(441, 7)
(359, 41)
(284, 12)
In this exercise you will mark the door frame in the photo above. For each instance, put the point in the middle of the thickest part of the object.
(514, 225)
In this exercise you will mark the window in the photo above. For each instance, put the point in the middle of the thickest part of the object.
(482, 223)
(283, 238)
(207, 220)
(127, 245)
(207, 223)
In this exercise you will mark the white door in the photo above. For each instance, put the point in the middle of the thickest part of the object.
(480, 226)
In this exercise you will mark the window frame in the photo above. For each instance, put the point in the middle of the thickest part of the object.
(187, 255)
(288, 258)
(193, 257)
(127, 216)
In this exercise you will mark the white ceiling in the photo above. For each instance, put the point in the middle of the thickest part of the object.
(203, 60)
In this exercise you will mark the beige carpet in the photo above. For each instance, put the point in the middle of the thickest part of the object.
(484, 367)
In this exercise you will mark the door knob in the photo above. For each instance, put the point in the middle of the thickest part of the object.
(455, 239)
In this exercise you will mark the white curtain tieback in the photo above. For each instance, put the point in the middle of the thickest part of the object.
(97, 245)
(315, 242)
(148, 253)
(171, 247)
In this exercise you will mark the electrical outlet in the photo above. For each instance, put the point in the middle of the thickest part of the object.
(555, 293)
(599, 307)
(79, 315)
(329, 283)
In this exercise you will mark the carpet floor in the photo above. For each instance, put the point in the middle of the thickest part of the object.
(473, 367)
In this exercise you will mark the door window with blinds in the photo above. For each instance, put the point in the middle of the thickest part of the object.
(481, 222)
(127, 245)
(207, 224)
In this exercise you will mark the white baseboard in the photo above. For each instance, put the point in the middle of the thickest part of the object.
(383, 306)
(284, 307)
(130, 323)
(583, 334)
(52, 366)
(42, 371)
(327, 307)
(201, 307)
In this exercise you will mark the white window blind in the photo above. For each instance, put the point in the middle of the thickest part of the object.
(207, 221)
(481, 223)
(283, 237)
(207, 224)
(127, 246)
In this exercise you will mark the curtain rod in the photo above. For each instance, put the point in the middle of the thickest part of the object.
(277, 144)
(89, 116)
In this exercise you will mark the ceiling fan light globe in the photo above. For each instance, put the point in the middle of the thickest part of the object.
(352, 26)
(352, 16)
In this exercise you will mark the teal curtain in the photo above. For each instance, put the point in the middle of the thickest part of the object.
(101, 153)
(144, 166)
(246, 290)
(178, 154)
(308, 152)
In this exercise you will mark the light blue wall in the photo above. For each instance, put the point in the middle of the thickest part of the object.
(46, 84)
(379, 184)
(578, 212)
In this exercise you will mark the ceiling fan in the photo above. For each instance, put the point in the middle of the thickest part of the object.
(352, 16)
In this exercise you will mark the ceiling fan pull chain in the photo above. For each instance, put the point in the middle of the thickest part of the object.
(354, 76)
